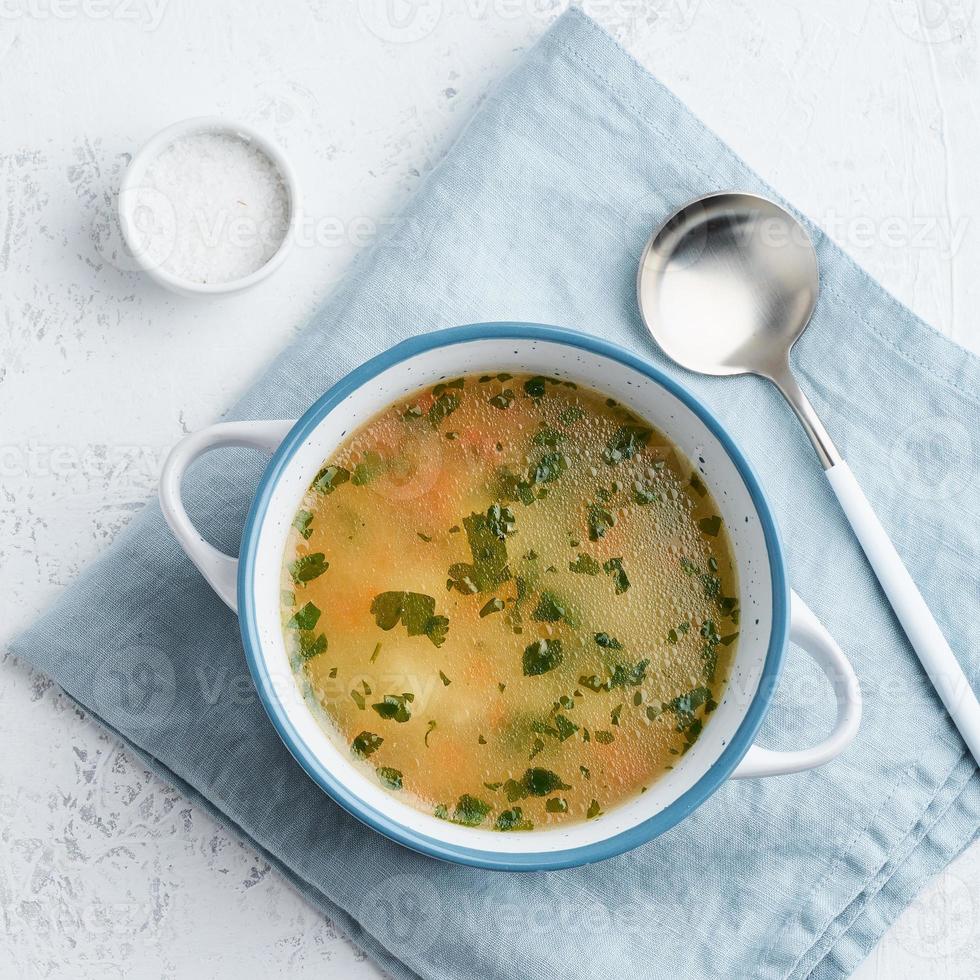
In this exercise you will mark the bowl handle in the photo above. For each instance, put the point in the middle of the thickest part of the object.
(220, 570)
(811, 635)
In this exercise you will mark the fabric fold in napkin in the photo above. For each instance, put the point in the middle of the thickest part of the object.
(539, 212)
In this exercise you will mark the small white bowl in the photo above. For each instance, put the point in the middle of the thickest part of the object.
(136, 172)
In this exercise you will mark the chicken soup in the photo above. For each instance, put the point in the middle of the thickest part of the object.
(511, 601)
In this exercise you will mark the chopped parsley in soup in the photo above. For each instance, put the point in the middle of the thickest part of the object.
(511, 601)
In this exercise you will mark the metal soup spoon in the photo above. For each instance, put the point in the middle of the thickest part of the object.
(727, 286)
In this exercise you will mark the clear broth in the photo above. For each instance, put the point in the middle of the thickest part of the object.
(511, 600)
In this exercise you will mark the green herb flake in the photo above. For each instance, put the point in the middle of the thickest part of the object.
(548, 437)
(374, 654)
(585, 565)
(513, 820)
(542, 782)
(599, 521)
(614, 567)
(710, 525)
(643, 494)
(541, 656)
(443, 386)
(697, 486)
(549, 609)
(556, 805)
(358, 699)
(329, 478)
(390, 778)
(493, 606)
(486, 535)
(564, 728)
(594, 810)
(394, 707)
(626, 443)
(302, 522)
(614, 715)
(544, 728)
(514, 790)
(310, 647)
(414, 610)
(629, 675)
(308, 567)
(710, 632)
(534, 388)
(305, 618)
(470, 811)
(603, 737)
(287, 597)
(429, 731)
(425, 537)
(444, 406)
(370, 467)
(570, 415)
(549, 468)
(365, 744)
(504, 400)
(607, 642)
(684, 707)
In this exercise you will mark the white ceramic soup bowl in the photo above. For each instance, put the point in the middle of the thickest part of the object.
(771, 616)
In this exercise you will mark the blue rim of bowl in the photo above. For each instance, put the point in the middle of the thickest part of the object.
(626, 840)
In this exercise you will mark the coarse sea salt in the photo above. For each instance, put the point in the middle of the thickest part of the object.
(211, 208)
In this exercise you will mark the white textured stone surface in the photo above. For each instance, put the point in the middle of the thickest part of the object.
(864, 114)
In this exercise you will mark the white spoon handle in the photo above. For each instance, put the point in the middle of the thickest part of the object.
(921, 628)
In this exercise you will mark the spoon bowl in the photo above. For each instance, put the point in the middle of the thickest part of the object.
(728, 284)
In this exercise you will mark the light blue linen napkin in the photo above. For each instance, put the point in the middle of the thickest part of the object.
(539, 212)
